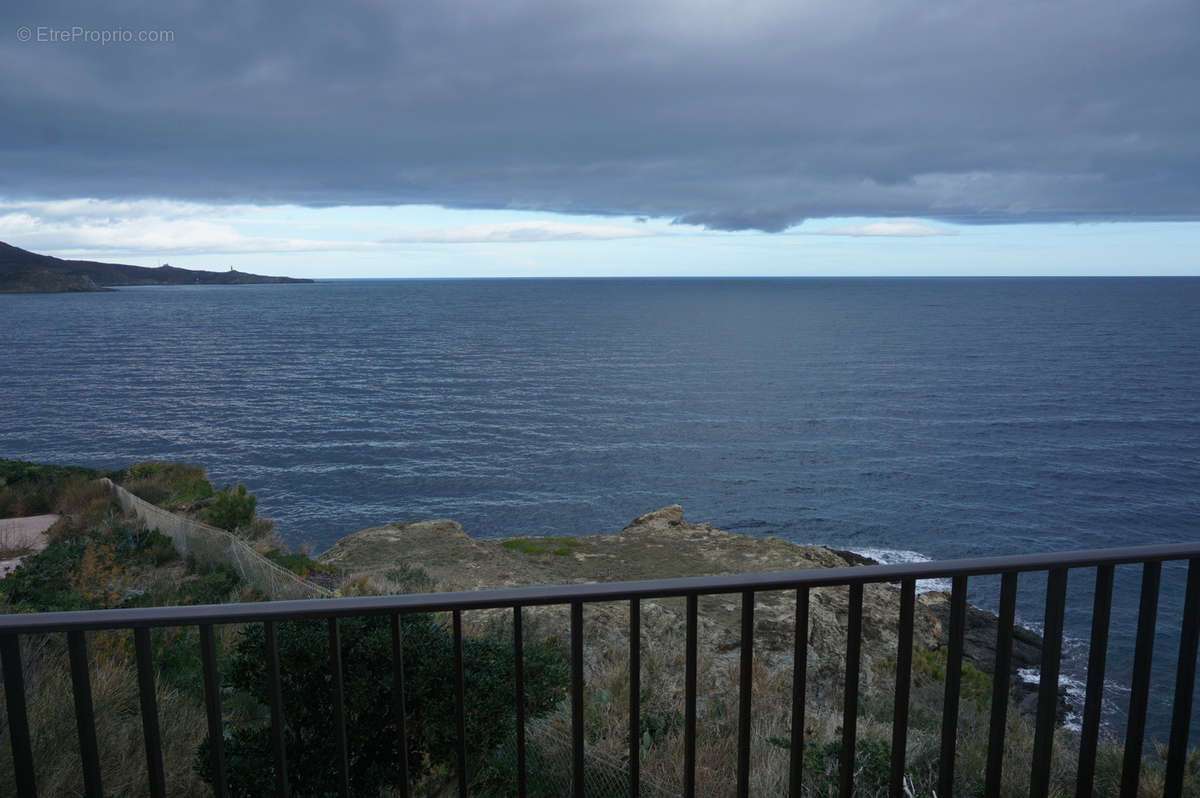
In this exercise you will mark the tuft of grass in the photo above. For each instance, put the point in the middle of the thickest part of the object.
(406, 578)
(559, 546)
(297, 562)
(168, 485)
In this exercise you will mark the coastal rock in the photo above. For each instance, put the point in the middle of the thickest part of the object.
(661, 544)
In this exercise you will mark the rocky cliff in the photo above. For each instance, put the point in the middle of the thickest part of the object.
(427, 556)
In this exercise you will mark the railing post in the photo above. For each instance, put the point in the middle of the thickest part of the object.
(577, 708)
(153, 739)
(85, 720)
(745, 693)
(958, 612)
(689, 701)
(1097, 654)
(799, 687)
(1047, 705)
(1185, 681)
(904, 643)
(1000, 684)
(398, 704)
(1143, 654)
(275, 693)
(519, 697)
(338, 700)
(850, 704)
(18, 720)
(212, 709)
(460, 710)
(635, 698)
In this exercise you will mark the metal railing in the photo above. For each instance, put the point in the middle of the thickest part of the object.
(74, 624)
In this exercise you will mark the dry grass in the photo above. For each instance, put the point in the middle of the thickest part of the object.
(606, 720)
(118, 725)
(662, 702)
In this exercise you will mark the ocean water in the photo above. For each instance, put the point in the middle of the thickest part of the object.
(905, 418)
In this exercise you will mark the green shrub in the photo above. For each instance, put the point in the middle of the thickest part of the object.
(42, 582)
(371, 729)
(542, 545)
(213, 586)
(33, 488)
(297, 562)
(231, 508)
(872, 766)
(169, 485)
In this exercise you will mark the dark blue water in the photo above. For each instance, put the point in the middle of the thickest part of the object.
(941, 418)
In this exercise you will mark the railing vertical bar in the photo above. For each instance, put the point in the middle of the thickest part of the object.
(958, 613)
(1047, 703)
(1143, 653)
(212, 708)
(689, 700)
(1001, 676)
(275, 691)
(1097, 654)
(577, 773)
(1185, 682)
(745, 691)
(799, 687)
(85, 718)
(904, 641)
(18, 719)
(519, 696)
(460, 710)
(635, 698)
(339, 708)
(850, 704)
(149, 705)
(398, 703)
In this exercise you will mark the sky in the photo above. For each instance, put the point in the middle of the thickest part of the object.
(541, 138)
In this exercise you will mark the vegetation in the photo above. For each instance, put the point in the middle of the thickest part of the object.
(35, 489)
(541, 545)
(371, 727)
(114, 563)
(298, 563)
(171, 486)
(232, 508)
(99, 559)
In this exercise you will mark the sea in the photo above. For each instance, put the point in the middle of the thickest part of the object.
(906, 419)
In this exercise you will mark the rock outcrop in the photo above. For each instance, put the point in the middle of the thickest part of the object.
(660, 544)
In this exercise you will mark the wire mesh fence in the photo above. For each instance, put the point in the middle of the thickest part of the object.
(209, 544)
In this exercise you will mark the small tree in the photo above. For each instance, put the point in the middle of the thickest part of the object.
(231, 508)
(370, 723)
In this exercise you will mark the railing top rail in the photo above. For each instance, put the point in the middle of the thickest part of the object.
(592, 592)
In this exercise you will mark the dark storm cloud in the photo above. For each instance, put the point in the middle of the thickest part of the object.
(729, 115)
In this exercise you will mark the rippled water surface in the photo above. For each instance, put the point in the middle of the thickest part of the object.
(946, 418)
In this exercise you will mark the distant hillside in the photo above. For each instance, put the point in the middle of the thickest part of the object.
(22, 271)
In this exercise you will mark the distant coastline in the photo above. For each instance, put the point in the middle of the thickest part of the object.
(25, 272)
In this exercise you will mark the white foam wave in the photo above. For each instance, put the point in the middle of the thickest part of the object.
(1076, 691)
(896, 556)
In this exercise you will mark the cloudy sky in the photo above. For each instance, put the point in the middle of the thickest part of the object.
(542, 137)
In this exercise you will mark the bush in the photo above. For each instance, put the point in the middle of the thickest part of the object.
(34, 489)
(297, 562)
(231, 508)
(168, 485)
(370, 725)
(42, 582)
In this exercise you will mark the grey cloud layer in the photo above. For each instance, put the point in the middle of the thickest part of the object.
(728, 115)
